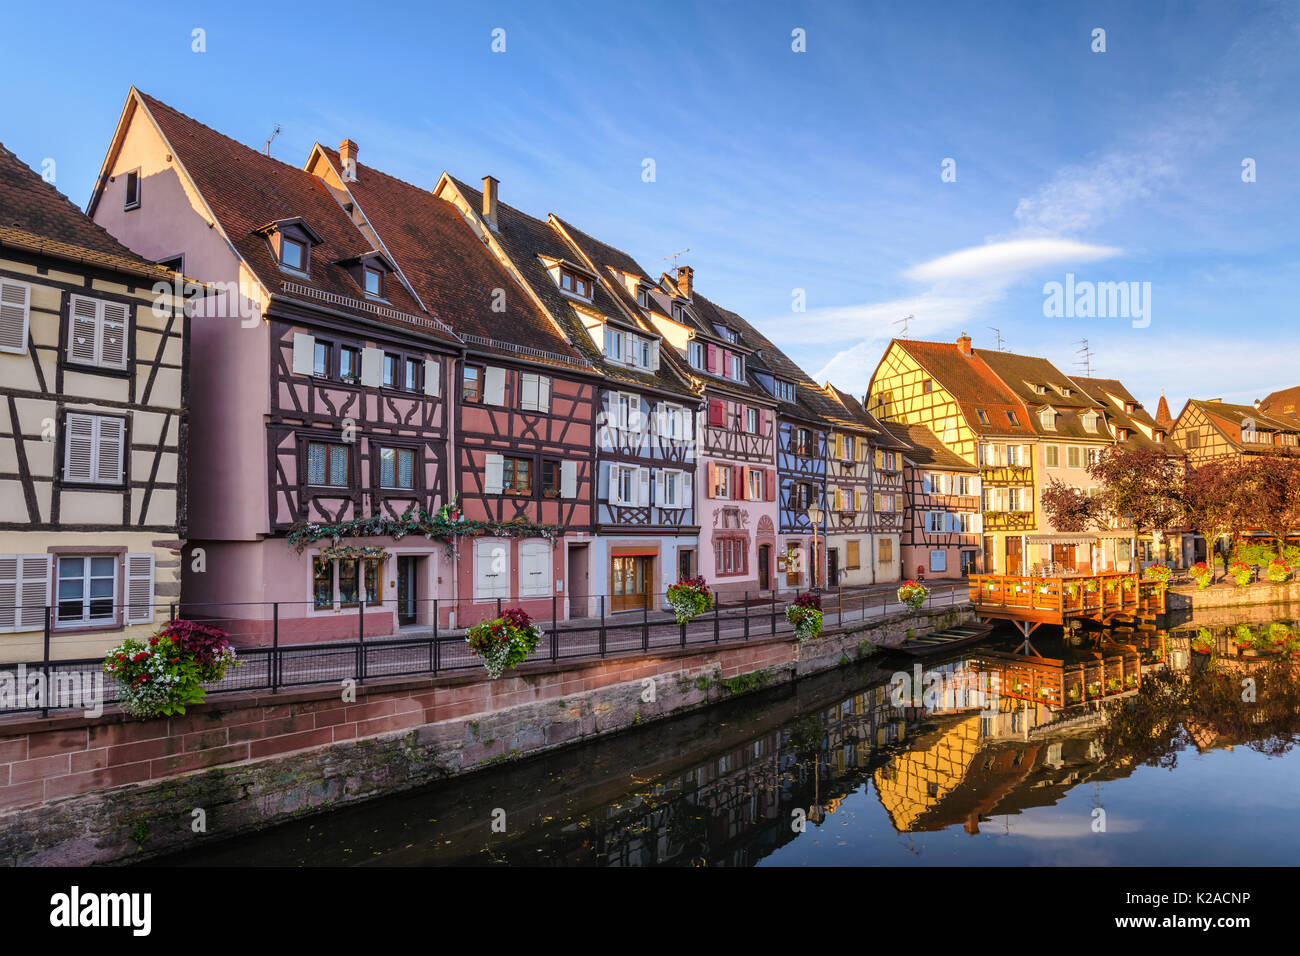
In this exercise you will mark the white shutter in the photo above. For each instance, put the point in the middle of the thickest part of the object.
(975, 488)
(372, 366)
(81, 329)
(528, 391)
(534, 569)
(654, 356)
(544, 393)
(113, 332)
(79, 449)
(139, 588)
(304, 353)
(687, 489)
(977, 522)
(494, 386)
(8, 591)
(491, 569)
(643, 479)
(568, 479)
(660, 480)
(611, 492)
(15, 305)
(492, 477)
(432, 377)
(109, 450)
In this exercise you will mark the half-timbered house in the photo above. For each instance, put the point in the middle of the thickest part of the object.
(941, 533)
(736, 429)
(317, 400)
(94, 357)
(1210, 430)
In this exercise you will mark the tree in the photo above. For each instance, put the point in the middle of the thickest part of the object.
(1273, 504)
(1140, 485)
(1214, 499)
(1069, 509)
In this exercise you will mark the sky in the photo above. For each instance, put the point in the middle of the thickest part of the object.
(946, 162)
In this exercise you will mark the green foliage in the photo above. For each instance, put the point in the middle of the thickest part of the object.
(689, 597)
(165, 674)
(747, 682)
(505, 642)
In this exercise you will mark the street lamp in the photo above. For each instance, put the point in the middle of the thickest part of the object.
(815, 516)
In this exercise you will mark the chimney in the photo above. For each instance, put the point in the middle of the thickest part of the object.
(348, 158)
(684, 276)
(963, 343)
(490, 202)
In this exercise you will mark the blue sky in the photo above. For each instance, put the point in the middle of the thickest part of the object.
(781, 171)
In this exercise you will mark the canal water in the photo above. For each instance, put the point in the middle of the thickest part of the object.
(1179, 753)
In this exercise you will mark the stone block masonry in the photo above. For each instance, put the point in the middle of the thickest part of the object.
(76, 790)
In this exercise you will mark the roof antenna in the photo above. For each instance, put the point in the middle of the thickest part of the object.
(905, 322)
(674, 258)
(1086, 361)
(997, 335)
(274, 133)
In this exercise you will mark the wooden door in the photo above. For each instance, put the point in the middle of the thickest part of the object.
(630, 582)
(406, 589)
(1015, 554)
(764, 567)
(990, 565)
(833, 567)
(1063, 555)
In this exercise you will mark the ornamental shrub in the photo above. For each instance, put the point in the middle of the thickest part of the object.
(504, 642)
(1158, 572)
(1201, 574)
(1241, 573)
(689, 598)
(1278, 572)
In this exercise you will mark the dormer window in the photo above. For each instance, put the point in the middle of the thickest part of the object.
(1048, 417)
(727, 334)
(785, 391)
(1012, 419)
(695, 355)
(374, 282)
(575, 284)
(291, 241)
(1160, 437)
(1040, 389)
(643, 297)
(1130, 407)
(294, 254)
(982, 415)
(1090, 422)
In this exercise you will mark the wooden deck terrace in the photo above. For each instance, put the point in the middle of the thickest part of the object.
(1031, 601)
(1106, 672)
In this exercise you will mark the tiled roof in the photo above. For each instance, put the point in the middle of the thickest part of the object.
(1163, 418)
(1283, 405)
(1024, 374)
(857, 415)
(247, 189)
(973, 384)
(1102, 389)
(925, 449)
(449, 268)
(35, 215)
(1229, 419)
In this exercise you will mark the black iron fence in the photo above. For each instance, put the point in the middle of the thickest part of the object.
(280, 645)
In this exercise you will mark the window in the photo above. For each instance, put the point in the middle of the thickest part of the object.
(927, 387)
(293, 253)
(1160, 438)
(785, 391)
(392, 371)
(516, 476)
(534, 392)
(695, 355)
(884, 502)
(321, 360)
(1040, 389)
(1090, 422)
(672, 422)
(937, 522)
(1053, 453)
(328, 464)
(1193, 439)
(132, 192)
(414, 375)
(396, 468)
(852, 556)
(1011, 418)
(94, 448)
(575, 284)
(1074, 457)
(802, 442)
(643, 297)
(1048, 418)
(87, 590)
(965, 485)
(614, 344)
(15, 305)
(624, 482)
(349, 364)
(755, 484)
(671, 483)
(472, 390)
(374, 282)
(1092, 456)
(322, 583)
(736, 370)
(721, 480)
(731, 555)
(550, 479)
(886, 550)
(97, 332)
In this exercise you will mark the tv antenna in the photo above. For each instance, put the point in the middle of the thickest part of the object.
(905, 322)
(997, 339)
(674, 257)
(274, 133)
(1086, 360)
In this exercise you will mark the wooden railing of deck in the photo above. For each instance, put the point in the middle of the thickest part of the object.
(1075, 595)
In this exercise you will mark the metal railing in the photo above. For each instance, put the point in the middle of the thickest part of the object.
(288, 644)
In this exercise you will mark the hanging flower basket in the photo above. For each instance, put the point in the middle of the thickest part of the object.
(505, 642)
(689, 598)
(165, 674)
(1201, 574)
(805, 615)
(1241, 573)
(913, 595)
(1158, 572)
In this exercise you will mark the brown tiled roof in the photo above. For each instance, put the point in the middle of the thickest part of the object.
(1023, 373)
(926, 450)
(447, 265)
(247, 189)
(1229, 418)
(973, 384)
(1283, 405)
(1163, 418)
(858, 416)
(37, 217)
(1102, 389)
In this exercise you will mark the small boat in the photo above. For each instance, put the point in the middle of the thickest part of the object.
(949, 638)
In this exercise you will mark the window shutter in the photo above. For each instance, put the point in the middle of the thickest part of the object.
(117, 320)
(711, 477)
(659, 487)
(880, 458)
(769, 484)
(654, 356)
(304, 353)
(738, 490)
(108, 456)
(492, 474)
(15, 307)
(432, 376)
(544, 393)
(528, 391)
(372, 366)
(857, 499)
(32, 585)
(977, 523)
(494, 386)
(687, 491)
(876, 501)
(643, 481)
(79, 451)
(8, 591)
(139, 588)
(711, 358)
(568, 479)
(717, 413)
(81, 329)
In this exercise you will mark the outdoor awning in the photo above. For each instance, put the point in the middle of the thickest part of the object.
(1061, 538)
(1115, 535)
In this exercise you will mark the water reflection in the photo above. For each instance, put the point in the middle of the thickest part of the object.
(844, 769)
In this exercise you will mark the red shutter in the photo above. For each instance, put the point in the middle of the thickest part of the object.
(711, 359)
(710, 476)
(762, 421)
(717, 412)
(769, 484)
(726, 363)
(738, 482)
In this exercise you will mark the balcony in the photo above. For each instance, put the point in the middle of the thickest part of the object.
(1007, 474)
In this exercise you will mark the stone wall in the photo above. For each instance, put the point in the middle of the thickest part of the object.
(1191, 598)
(76, 790)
